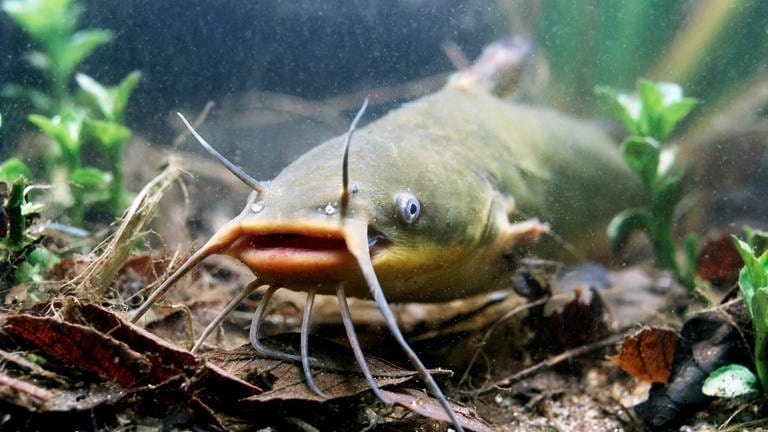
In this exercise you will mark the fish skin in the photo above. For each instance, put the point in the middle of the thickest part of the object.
(484, 171)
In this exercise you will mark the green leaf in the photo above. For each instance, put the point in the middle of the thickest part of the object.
(730, 381)
(43, 20)
(642, 156)
(122, 93)
(65, 129)
(110, 101)
(77, 48)
(624, 224)
(12, 169)
(623, 106)
(90, 178)
(673, 114)
(39, 99)
(109, 136)
(754, 275)
(757, 239)
(96, 92)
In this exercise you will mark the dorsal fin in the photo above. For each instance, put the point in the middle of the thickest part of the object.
(500, 67)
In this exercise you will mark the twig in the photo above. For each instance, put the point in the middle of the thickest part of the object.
(550, 362)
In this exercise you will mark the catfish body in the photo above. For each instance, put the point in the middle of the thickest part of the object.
(483, 172)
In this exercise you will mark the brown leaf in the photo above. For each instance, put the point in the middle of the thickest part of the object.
(647, 354)
(165, 359)
(335, 371)
(719, 262)
(85, 347)
(427, 406)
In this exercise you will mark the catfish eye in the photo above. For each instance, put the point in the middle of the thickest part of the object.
(407, 207)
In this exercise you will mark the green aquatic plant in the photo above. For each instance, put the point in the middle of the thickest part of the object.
(52, 25)
(110, 133)
(733, 379)
(95, 116)
(100, 122)
(22, 258)
(650, 115)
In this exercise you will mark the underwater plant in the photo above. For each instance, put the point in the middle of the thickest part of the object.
(52, 25)
(650, 115)
(734, 379)
(22, 259)
(95, 116)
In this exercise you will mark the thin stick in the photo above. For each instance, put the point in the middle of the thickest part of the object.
(346, 318)
(245, 292)
(304, 338)
(550, 362)
(258, 319)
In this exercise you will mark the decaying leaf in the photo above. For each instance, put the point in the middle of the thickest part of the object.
(719, 262)
(91, 338)
(708, 341)
(82, 346)
(334, 370)
(581, 321)
(429, 407)
(647, 354)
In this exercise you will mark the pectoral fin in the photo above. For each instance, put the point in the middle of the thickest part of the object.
(511, 234)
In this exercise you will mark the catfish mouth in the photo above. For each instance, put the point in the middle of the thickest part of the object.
(303, 256)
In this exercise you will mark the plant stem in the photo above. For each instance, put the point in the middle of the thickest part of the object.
(117, 188)
(761, 357)
(15, 218)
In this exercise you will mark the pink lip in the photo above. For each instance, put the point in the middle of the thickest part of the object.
(294, 257)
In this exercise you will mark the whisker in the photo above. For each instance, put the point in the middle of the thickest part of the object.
(345, 159)
(346, 318)
(234, 169)
(356, 237)
(305, 343)
(245, 292)
(190, 263)
(258, 319)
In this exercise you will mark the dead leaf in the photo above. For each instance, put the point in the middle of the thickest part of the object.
(82, 346)
(719, 262)
(582, 321)
(708, 340)
(427, 406)
(647, 355)
(335, 371)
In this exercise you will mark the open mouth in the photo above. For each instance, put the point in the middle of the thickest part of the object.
(291, 255)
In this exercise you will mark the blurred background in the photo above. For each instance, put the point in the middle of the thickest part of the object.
(286, 75)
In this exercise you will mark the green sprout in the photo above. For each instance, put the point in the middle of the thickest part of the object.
(22, 258)
(753, 284)
(111, 134)
(650, 115)
(95, 117)
(52, 25)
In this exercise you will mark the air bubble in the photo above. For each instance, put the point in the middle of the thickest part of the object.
(257, 207)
